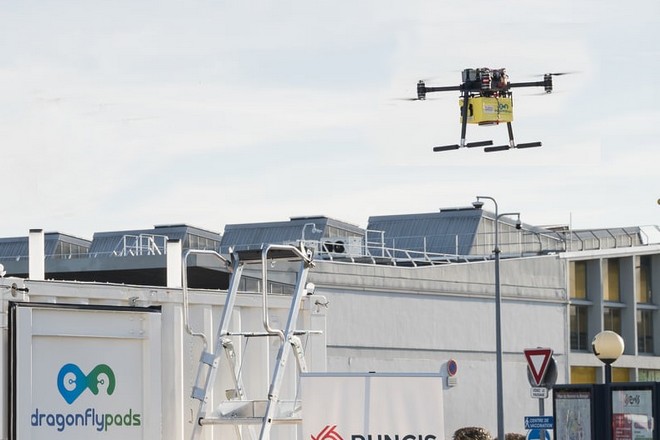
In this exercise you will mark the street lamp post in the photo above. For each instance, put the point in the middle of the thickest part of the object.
(498, 314)
(608, 346)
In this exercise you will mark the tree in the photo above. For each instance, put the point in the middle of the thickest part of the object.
(472, 433)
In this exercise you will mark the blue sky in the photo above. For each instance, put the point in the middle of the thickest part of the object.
(120, 115)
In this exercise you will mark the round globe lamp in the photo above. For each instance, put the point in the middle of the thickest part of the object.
(608, 346)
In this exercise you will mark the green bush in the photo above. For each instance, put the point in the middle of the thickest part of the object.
(472, 433)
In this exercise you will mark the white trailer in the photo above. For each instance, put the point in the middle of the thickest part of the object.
(80, 360)
(87, 360)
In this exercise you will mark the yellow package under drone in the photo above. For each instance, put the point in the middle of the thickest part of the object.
(488, 110)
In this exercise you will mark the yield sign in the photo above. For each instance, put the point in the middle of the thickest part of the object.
(538, 360)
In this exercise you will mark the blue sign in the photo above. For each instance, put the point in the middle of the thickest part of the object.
(539, 422)
(535, 434)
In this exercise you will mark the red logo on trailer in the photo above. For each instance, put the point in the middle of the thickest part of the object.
(328, 433)
(538, 360)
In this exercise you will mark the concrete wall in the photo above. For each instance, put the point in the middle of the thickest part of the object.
(394, 319)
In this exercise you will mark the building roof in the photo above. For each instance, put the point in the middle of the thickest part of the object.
(448, 231)
(449, 235)
(585, 239)
(316, 228)
(101, 259)
(16, 248)
(146, 241)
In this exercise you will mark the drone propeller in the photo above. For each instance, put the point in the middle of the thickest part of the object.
(431, 79)
(573, 72)
(541, 93)
(428, 98)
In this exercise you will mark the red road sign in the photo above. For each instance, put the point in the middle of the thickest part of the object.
(538, 360)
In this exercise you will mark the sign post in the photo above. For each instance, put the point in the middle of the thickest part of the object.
(539, 361)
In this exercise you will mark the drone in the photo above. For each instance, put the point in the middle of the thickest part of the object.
(489, 98)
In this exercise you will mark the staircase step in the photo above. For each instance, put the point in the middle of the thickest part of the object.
(247, 421)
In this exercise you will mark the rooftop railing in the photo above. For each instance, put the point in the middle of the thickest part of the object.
(415, 249)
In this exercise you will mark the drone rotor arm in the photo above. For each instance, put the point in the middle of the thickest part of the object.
(546, 83)
(422, 90)
(527, 84)
(444, 89)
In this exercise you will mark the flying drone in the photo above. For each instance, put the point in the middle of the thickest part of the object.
(489, 97)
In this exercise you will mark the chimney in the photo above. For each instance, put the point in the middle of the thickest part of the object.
(174, 263)
(36, 255)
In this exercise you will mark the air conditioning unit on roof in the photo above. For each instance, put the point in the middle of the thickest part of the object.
(343, 246)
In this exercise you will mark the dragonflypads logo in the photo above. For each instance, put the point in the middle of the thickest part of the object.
(72, 382)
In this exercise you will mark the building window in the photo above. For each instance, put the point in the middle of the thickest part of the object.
(579, 328)
(333, 232)
(620, 374)
(645, 331)
(612, 290)
(612, 320)
(583, 374)
(65, 250)
(648, 375)
(248, 284)
(193, 241)
(644, 293)
(578, 275)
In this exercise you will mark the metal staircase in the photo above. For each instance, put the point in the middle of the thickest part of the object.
(238, 410)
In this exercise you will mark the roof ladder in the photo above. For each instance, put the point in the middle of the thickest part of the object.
(238, 410)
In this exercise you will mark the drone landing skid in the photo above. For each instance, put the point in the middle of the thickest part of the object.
(509, 147)
(512, 143)
(457, 146)
(488, 148)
